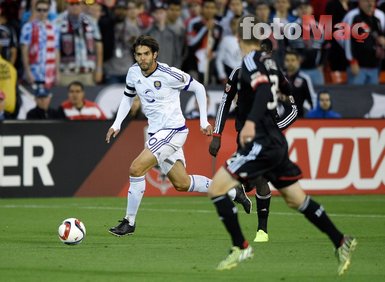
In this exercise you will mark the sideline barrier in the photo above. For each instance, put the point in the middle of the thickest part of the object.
(57, 159)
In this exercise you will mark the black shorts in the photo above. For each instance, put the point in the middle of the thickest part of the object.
(271, 162)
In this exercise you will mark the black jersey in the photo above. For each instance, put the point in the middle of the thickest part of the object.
(278, 82)
(267, 154)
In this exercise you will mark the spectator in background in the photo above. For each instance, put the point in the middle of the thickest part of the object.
(79, 108)
(8, 80)
(229, 53)
(222, 9)
(262, 13)
(175, 23)
(235, 10)
(8, 40)
(336, 56)
(303, 90)
(365, 57)
(126, 30)
(203, 37)
(311, 50)
(324, 107)
(29, 14)
(40, 48)
(43, 109)
(144, 18)
(193, 9)
(282, 11)
(2, 105)
(164, 36)
(81, 49)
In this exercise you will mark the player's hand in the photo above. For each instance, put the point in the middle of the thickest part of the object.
(208, 131)
(111, 132)
(247, 133)
(215, 145)
(355, 68)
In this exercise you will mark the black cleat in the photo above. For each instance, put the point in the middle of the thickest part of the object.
(241, 198)
(124, 228)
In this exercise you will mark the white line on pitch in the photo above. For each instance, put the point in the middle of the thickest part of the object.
(177, 210)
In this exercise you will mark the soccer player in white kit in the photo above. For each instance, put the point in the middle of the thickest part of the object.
(158, 87)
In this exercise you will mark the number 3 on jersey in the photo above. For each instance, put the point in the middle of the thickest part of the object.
(274, 89)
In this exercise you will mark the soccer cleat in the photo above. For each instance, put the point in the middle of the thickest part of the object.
(236, 255)
(124, 228)
(241, 198)
(261, 236)
(344, 253)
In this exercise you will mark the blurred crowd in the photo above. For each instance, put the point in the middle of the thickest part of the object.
(46, 43)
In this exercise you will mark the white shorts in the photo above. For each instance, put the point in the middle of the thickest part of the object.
(167, 147)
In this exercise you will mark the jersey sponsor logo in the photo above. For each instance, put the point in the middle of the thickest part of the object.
(336, 158)
(157, 84)
(149, 96)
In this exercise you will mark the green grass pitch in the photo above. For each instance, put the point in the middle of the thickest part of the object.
(181, 239)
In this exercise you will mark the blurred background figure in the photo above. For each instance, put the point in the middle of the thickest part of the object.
(8, 85)
(203, 36)
(126, 30)
(167, 39)
(303, 91)
(2, 105)
(8, 39)
(229, 53)
(81, 48)
(324, 107)
(175, 23)
(365, 57)
(79, 108)
(311, 50)
(43, 109)
(40, 48)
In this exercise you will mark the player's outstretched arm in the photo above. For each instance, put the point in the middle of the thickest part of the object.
(124, 109)
(200, 94)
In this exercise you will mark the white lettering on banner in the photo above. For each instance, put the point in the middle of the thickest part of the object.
(29, 160)
(9, 161)
(337, 157)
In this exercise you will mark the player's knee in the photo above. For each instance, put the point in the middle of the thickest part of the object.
(182, 185)
(135, 170)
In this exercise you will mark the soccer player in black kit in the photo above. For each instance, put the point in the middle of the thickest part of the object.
(264, 151)
(287, 115)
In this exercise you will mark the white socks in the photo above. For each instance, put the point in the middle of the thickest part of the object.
(134, 197)
(201, 184)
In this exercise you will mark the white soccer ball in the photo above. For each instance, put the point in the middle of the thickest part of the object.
(72, 231)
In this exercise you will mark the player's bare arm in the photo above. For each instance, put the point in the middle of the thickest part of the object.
(124, 108)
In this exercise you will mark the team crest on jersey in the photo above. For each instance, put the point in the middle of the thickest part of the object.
(157, 84)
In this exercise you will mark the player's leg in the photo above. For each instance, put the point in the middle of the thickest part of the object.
(296, 198)
(175, 169)
(221, 184)
(143, 163)
(262, 198)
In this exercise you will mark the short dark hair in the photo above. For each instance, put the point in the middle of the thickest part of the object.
(207, 1)
(48, 2)
(174, 2)
(146, 40)
(76, 83)
(292, 52)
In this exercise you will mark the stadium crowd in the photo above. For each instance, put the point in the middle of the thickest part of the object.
(46, 43)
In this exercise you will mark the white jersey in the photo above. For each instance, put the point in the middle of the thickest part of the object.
(159, 94)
